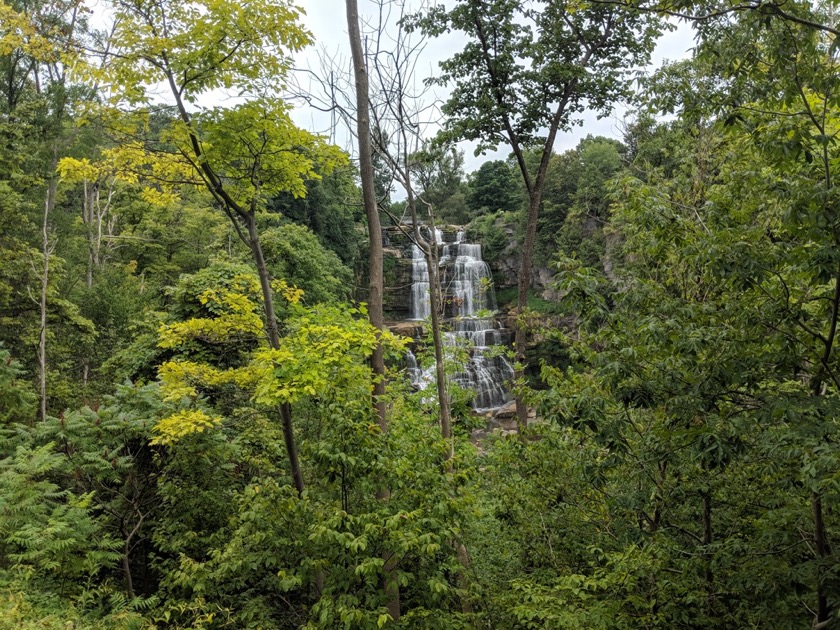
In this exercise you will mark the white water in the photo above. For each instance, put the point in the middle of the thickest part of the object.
(469, 302)
(420, 307)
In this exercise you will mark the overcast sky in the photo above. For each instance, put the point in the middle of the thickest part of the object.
(327, 22)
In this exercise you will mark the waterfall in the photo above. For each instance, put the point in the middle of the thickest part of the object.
(420, 307)
(469, 303)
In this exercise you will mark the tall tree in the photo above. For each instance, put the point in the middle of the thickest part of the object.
(238, 154)
(375, 260)
(525, 73)
(38, 44)
(769, 70)
(494, 187)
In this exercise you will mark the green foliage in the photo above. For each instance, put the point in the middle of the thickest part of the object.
(48, 532)
(262, 537)
(494, 232)
(576, 199)
(682, 471)
(163, 241)
(518, 61)
(536, 304)
(293, 253)
(439, 174)
(701, 378)
(17, 400)
(240, 154)
(495, 187)
(332, 210)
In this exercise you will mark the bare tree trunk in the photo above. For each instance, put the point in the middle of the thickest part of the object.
(821, 541)
(265, 282)
(535, 189)
(129, 536)
(708, 538)
(291, 448)
(237, 213)
(430, 251)
(87, 219)
(375, 259)
(370, 202)
(440, 365)
(47, 250)
(129, 583)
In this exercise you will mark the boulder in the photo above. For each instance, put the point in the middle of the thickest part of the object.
(506, 411)
(407, 329)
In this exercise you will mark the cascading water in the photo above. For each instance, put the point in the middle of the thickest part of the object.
(420, 304)
(469, 303)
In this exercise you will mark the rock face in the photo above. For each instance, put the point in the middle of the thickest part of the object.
(397, 274)
(506, 272)
(505, 269)
(506, 412)
(396, 293)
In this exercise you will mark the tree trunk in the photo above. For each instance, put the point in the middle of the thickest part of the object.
(707, 543)
(215, 187)
(87, 219)
(823, 551)
(129, 583)
(366, 172)
(47, 249)
(430, 253)
(535, 191)
(520, 339)
(375, 262)
(274, 340)
(823, 547)
(437, 341)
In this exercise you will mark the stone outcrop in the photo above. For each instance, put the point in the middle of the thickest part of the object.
(396, 294)
(414, 330)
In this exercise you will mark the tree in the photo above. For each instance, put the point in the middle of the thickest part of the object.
(333, 210)
(294, 253)
(576, 199)
(529, 70)
(39, 44)
(439, 176)
(784, 97)
(239, 155)
(494, 186)
(375, 258)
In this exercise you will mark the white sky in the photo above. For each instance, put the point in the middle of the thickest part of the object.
(327, 22)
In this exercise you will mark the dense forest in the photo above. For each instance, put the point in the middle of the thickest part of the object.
(206, 414)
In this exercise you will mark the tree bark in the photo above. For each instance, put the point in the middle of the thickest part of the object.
(47, 249)
(366, 171)
(237, 213)
(708, 538)
(823, 551)
(375, 264)
(535, 193)
(430, 253)
(437, 341)
(521, 336)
